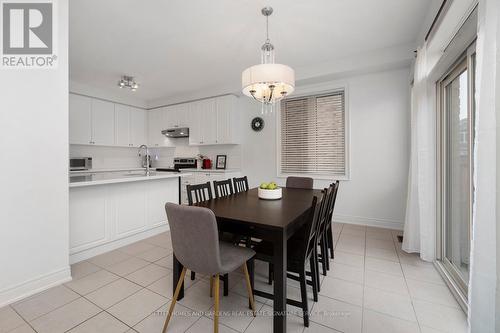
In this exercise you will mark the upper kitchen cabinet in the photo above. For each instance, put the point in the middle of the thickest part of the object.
(203, 122)
(80, 119)
(91, 121)
(211, 121)
(156, 123)
(103, 122)
(130, 126)
(228, 120)
(177, 116)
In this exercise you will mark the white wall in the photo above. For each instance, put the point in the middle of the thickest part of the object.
(34, 239)
(379, 110)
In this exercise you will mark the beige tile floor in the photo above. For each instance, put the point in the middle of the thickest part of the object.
(372, 286)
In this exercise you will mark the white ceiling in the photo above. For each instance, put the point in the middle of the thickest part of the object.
(175, 47)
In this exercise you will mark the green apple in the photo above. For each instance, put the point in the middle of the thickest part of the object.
(264, 186)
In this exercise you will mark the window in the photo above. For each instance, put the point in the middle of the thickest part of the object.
(313, 136)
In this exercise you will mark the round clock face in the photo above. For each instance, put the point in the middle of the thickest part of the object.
(257, 124)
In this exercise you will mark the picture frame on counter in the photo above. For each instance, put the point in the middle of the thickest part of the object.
(220, 162)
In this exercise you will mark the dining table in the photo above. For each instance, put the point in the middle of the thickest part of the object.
(274, 221)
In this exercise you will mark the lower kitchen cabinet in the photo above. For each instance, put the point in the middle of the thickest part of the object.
(108, 216)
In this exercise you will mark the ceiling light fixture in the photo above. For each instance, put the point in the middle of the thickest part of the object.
(268, 82)
(128, 82)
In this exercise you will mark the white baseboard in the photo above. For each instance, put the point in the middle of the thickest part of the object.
(25, 289)
(100, 249)
(369, 221)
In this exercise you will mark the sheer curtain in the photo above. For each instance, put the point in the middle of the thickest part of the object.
(420, 220)
(484, 274)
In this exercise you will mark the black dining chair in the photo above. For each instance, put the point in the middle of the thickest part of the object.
(322, 230)
(301, 251)
(299, 182)
(199, 193)
(329, 220)
(223, 188)
(240, 184)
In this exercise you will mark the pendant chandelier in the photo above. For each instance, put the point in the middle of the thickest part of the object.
(268, 82)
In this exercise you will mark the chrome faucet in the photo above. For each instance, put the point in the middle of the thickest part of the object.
(148, 157)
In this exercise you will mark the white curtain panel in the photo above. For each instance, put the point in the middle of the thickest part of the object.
(420, 220)
(484, 272)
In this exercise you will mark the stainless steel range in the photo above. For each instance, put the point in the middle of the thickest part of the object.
(185, 163)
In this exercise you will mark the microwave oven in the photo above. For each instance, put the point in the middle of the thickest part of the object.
(80, 163)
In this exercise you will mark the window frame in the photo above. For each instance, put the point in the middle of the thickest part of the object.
(309, 91)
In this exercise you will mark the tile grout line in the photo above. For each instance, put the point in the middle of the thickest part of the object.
(411, 298)
(26, 321)
(98, 313)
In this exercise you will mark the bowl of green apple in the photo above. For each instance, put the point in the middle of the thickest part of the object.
(270, 191)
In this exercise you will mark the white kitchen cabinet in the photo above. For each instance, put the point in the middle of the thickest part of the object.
(137, 127)
(177, 115)
(203, 122)
(122, 125)
(130, 126)
(156, 123)
(228, 120)
(91, 121)
(211, 121)
(80, 120)
(103, 123)
(108, 216)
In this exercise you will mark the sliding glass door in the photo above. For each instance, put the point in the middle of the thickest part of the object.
(456, 91)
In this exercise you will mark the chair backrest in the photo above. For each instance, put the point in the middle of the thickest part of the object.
(323, 218)
(223, 188)
(199, 193)
(195, 238)
(299, 182)
(336, 186)
(240, 184)
(313, 231)
(310, 229)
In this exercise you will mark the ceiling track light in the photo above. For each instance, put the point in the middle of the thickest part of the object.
(128, 82)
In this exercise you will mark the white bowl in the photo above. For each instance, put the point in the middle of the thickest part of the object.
(270, 194)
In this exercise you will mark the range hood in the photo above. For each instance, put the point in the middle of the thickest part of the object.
(180, 132)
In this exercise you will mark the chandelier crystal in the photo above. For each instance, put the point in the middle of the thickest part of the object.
(128, 82)
(268, 82)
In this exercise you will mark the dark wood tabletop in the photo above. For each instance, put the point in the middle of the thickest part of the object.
(273, 214)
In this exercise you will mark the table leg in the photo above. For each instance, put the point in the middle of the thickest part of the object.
(251, 273)
(279, 268)
(177, 273)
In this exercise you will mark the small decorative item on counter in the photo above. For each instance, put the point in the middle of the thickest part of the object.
(270, 191)
(221, 162)
(200, 159)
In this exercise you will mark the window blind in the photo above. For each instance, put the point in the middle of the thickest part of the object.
(313, 135)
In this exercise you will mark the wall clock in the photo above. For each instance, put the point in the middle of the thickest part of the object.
(257, 124)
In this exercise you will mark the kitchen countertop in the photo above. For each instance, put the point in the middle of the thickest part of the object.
(87, 178)
(107, 170)
(211, 170)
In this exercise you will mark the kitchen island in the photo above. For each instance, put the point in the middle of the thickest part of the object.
(108, 210)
